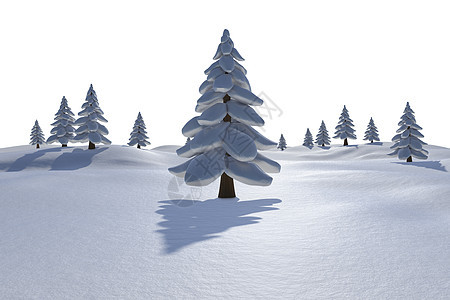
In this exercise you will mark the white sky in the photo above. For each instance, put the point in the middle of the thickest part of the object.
(309, 57)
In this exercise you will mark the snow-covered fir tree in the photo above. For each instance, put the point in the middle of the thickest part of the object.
(188, 140)
(282, 143)
(37, 136)
(344, 129)
(371, 133)
(308, 141)
(138, 135)
(224, 144)
(91, 115)
(407, 143)
(322, 138)
(63, 131)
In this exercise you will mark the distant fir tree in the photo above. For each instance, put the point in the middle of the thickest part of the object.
(344, 129)
(322, 138)
(63, 131)
(139, 134)
(90, 129)
(308, 141)
(37, 136)
(282, 143)
(371, 133)
(188, 140)
(407, 143)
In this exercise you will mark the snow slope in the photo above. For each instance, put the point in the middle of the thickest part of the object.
(338, 222)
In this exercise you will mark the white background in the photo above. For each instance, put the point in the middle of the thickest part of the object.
(309, 57)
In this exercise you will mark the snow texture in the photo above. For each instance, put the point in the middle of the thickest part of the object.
(407, 142)
(322, 138)
(308, 141)
(112, 223)
(63, 130)
(344, 129)
(282, 143)
(371, 133)
(91, 114)
(37, 136)
(138, 135)
(222, 137)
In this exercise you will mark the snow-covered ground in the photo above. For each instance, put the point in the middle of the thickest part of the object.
(343, 222)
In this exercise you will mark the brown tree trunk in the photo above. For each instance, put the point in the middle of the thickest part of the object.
(139, 146)
(226, 189)
(409, 159)
(64, 145)
(91, 145)
(323, 145)
(37, 146)
(345, 142)
(371, 142)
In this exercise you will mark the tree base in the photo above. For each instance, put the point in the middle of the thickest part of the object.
(226, 189)
(64, 145)
(371, 142)
(37, 146)
(139, 146)
(345, 142)
(91, 145)
(409, 159)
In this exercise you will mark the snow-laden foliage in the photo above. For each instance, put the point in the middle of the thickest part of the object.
(138, 135)
(90, 117)
(371, 133)
(344, 129)
(37, 136)
(322, 138)
(407, 143)
(282, 143)
(223, 140)
(308, 141)
(63, 131)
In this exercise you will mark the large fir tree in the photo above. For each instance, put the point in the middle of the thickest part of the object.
(223, 143)
(407, 143)
(37, 136)
(91, 115)
(344, 129)
(63, 131)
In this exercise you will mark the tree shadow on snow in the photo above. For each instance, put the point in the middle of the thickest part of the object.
(324, 147)
(202, 220)
(375, 144)
(77, 159)
(28, 159)
(435, 165)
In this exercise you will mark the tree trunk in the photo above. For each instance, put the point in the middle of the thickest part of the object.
(226, 189)
(139, 146)
(323, 145)
(64, 145)
(345, 142)
(37, 146)
(371, 142)
(409, 159)
(91, 145)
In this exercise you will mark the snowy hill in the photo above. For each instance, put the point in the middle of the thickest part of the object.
(337, 222)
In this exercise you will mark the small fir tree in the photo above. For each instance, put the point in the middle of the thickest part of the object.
(308, 141)
(90, 129)
(322, 138)
(407, 143)
(344, 129)
(282, 143)
(188, 140)
(37, 136)
(63, 130)
(139, 134)
(371, 133)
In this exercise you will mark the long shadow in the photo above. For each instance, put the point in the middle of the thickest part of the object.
(75, 160)
(375, 143)
(188, 224)
(435, 165)
(26, 160)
